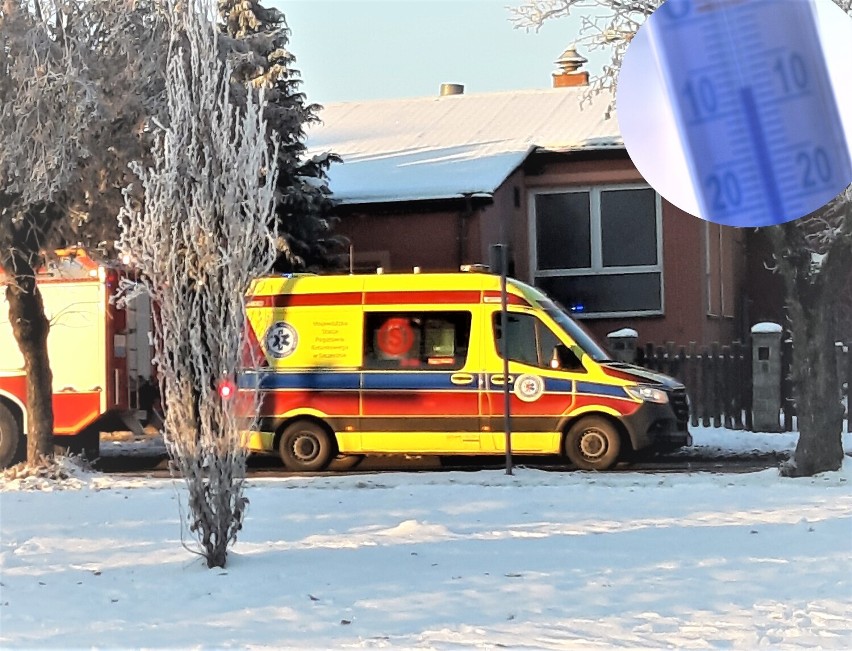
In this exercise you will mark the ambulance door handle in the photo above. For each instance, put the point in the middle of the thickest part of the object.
(498, 379)
(461, 378)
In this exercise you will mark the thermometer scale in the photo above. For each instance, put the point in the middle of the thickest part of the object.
(754, 106)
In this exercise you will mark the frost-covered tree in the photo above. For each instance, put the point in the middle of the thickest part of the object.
(202, 237)
(76, 82)
(260, 59)
(814, 257)
(813, 254)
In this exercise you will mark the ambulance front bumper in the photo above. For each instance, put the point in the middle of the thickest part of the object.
(655, 425)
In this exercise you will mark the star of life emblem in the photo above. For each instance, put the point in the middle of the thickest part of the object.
(281, 339)
(529, 388)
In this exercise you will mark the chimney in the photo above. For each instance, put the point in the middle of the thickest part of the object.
(452, 89)
(569, 63)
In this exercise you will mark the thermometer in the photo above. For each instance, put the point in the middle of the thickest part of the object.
(754, 107)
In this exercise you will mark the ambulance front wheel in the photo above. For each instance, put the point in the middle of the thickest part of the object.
(593, 443)
(305, 446)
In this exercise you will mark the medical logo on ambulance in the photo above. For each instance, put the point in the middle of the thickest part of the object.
(395, 338)
(281, 339)
(529, 388)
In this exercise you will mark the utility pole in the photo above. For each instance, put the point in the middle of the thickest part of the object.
(499, 259)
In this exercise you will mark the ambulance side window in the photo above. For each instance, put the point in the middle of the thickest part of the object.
(532, 342)
(416, 340)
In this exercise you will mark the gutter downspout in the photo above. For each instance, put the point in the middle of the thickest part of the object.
(464, 217)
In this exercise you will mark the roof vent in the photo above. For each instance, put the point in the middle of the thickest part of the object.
(452, 89)
(569, 63)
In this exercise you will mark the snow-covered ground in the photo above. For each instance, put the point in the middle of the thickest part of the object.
(445, 560)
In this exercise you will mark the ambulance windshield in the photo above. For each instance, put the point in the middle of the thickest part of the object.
(579, 334)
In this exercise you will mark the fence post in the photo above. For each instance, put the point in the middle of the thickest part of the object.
(679, 369)
(706, 385)
(844, 366)
(848, 386)
(766, 376)
(737, 384)
(788, 399)
(728, 387)
(718, 382)
(669, 359)
(746, 367)
(693, 387)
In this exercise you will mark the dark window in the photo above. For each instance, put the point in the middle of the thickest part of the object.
(597, 250)
(563, 230)
(628, 228)
(605, 293)
(530, 341)
(416, 340)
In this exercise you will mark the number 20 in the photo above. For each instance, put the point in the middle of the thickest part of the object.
(724, 191)
(816, 168)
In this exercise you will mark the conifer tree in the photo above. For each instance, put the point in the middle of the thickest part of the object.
(260, 57)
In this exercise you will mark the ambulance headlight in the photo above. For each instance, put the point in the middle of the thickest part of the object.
(648, 394)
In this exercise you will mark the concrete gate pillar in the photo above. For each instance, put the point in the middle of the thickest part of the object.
(622, 344)
(766, 376)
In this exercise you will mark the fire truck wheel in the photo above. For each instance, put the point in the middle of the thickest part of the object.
(593, 443)
(305, 446)
(10, 437)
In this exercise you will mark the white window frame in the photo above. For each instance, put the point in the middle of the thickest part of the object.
(597, 268)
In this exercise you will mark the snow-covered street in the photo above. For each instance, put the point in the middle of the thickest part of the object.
(444, 560)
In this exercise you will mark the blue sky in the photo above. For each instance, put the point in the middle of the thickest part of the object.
(364, 49)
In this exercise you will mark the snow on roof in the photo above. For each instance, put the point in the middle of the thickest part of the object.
(443, 147)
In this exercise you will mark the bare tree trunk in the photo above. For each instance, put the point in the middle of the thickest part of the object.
(817, 392)
(30, 327)
(814, 287)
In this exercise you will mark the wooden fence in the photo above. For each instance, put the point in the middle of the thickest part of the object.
(718, 380)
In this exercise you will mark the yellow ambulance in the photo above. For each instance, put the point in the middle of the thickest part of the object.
(411, 364)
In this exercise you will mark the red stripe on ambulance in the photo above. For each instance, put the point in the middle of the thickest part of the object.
(511, 299)
(331, 403)
(442, 297)
(374, 298)
(304, 300)
(389, 402)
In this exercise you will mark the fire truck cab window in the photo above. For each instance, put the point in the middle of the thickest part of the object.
(416, 340)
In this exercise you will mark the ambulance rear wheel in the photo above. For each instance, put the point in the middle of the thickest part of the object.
(593, 443)
(305, 446)
(10, 438)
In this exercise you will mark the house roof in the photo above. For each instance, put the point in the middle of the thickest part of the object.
(444, 147)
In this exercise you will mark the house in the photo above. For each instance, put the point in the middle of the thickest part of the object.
(434, 182)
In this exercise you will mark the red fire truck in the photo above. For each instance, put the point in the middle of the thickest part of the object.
(100, 355)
